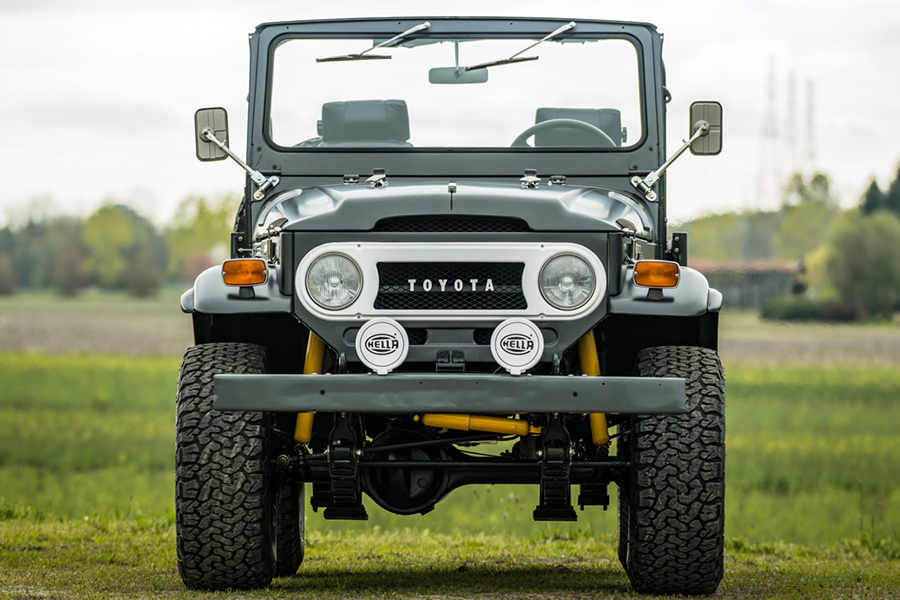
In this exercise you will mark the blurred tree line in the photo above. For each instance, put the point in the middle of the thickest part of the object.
(115, 248)
(849, 256)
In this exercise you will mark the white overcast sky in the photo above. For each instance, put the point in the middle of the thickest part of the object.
(97, 96)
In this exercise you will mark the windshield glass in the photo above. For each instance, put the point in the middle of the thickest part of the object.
(577, 94)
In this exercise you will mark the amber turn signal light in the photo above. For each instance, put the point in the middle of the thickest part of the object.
(656, 273)
(244, 271)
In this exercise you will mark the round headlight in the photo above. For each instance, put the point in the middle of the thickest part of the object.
(333, 281)
(567, 281)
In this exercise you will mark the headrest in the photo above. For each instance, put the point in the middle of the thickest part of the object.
(607, 119)
(365, 121)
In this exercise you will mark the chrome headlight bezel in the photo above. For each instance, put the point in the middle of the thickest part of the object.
(309, 287)
(587, 297)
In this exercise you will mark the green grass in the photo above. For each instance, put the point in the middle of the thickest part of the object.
(112, 558)
(813, 452)
(821, 516)
(111, 491)
(80, 381)
(870, 387)
(801, 428)
(86, 497)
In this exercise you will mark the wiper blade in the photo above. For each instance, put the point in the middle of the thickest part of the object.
(387, 43)
(504, 61)
(512, 59)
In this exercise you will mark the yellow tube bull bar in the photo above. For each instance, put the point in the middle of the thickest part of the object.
(590, 366)
(315, 357)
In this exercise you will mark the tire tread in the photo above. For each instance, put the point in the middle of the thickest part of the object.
(223, 503)
(674, 499)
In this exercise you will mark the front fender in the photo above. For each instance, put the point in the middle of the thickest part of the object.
(691, 298)
(211, 296)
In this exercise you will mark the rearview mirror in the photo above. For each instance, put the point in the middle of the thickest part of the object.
(443, 75)
(710, 143)
(215, 119)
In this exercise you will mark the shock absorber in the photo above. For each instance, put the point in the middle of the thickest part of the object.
(480, 423)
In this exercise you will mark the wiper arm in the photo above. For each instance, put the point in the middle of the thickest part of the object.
(388, 43)
(513, 59)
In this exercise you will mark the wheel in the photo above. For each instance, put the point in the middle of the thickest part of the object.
(289, 511)
(603, 140)
(289, 507)
(672, 499)
(224, 500)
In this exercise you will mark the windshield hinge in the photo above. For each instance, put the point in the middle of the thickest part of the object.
(531, 180)
(557, 180)
(351, 178)
(378, 178)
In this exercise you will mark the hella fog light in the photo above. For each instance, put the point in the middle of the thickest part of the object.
(567, 281)
(333, 281)
(517, 345)
(382, 345)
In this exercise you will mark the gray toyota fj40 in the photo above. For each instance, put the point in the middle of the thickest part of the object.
(453, 233)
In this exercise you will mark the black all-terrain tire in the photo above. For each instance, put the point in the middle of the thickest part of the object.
(621, 505)
(672, 500)
(289, 507)
(224, 491)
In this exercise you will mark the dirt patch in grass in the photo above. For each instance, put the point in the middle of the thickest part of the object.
(745, 338)
(94, 324)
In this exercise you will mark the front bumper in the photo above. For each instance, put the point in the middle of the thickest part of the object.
(430, 393)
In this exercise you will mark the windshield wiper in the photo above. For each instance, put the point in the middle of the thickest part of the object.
(513, 59)
(364, 56)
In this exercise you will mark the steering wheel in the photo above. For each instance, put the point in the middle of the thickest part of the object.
(604, 141)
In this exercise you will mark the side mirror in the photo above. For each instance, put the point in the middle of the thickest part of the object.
(216, 120)
(445, 75)
(710, 143)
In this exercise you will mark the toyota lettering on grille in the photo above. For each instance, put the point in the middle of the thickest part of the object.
(448, 285)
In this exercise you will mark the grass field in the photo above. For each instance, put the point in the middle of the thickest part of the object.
(136, 559)
(812, 441)
(813, 453)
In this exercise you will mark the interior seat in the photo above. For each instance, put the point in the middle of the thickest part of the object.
(365, 123)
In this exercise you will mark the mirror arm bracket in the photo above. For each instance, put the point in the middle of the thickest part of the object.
(263, 183)
(645, 185)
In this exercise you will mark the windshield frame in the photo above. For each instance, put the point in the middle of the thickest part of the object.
(571, 38)
(643, 37)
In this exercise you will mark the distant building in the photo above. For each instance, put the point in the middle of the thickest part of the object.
(749, 284)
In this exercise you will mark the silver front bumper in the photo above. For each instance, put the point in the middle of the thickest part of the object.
(439, 393)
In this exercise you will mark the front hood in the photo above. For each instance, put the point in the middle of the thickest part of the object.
(359, 207)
